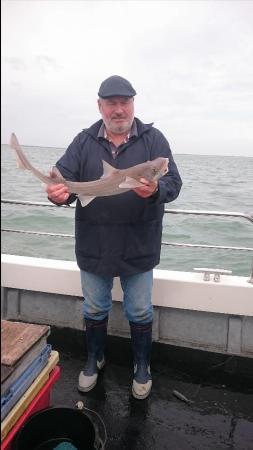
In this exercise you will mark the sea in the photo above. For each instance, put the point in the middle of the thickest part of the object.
(213, 183)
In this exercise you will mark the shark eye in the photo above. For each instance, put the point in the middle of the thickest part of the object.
(154, 170)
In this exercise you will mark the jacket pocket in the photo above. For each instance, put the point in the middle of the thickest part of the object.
(88, 242)
(142, 240)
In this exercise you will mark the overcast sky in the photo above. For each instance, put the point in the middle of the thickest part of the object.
(191, 63)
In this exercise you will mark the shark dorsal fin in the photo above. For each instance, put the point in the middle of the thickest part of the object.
(107, 169)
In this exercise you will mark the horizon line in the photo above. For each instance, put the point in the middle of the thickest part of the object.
(174, 152)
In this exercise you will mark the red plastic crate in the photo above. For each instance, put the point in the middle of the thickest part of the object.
(41, 401)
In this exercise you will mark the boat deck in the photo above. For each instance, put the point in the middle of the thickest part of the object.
(220, 416)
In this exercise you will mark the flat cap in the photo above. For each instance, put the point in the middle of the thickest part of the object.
(116, 86)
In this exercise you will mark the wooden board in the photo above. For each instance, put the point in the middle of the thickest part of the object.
(6, 371)
(17, 338)
(30, 394)
(9, 374)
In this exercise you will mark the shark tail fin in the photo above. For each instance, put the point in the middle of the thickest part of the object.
(22, 161)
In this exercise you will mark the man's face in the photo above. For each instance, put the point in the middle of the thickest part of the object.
(117, 113)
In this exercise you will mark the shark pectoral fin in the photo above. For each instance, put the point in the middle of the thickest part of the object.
(130, 183)
(85, 199)
(107, 169)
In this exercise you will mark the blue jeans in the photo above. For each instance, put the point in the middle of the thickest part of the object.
(137, 299)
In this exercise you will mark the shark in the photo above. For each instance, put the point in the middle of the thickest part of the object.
(112, 182)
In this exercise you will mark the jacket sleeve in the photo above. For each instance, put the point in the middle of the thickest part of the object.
(170, 184)
(69, 165)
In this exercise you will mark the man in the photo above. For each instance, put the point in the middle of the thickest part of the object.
(118, 235)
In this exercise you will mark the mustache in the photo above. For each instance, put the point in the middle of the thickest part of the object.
(119, 116)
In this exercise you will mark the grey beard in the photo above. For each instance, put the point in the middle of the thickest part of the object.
(120, 129)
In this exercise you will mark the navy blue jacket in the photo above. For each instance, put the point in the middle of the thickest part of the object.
(120, 234)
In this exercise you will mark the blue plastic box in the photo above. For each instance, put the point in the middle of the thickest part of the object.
(20, 386)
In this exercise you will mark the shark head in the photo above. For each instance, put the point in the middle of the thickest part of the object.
(150, 170)
(159, 167)
(155, 169)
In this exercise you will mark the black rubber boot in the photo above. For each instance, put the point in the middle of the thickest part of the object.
(141, 336)
(96, 332)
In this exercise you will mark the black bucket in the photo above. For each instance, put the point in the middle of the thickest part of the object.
(50, 427)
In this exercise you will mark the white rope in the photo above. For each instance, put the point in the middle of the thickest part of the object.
(173, 244)
(248, 216)
(39, 233)
(220, 247)
(172, 211)
(27, 203)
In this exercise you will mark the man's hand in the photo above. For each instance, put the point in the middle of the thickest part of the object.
(58, 193)
(148, 188)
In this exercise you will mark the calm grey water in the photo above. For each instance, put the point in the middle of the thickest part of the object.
(218, 183)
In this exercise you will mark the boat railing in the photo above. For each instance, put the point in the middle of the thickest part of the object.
(245, 216)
